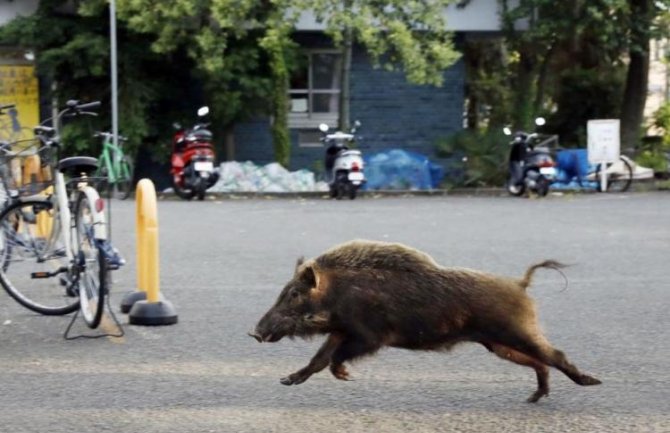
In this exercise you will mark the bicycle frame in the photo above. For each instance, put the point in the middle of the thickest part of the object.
(111, 158)
(61, 207)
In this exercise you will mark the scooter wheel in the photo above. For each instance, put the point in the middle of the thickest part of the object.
(186, 194)
(516, 190)
(352, 192)
(542, 187)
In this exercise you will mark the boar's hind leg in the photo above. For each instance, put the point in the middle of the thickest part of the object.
(541, 370)
(538, 348)
(317, 363)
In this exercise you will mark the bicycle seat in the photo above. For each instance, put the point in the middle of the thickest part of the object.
(75, 165)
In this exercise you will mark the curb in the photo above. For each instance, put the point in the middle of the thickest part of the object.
(639, 186)
(486, 192)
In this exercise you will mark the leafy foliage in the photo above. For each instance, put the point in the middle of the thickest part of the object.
(398, 34)
(475, 158)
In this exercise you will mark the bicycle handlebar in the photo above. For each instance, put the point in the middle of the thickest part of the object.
(87, 106)
(106, 134)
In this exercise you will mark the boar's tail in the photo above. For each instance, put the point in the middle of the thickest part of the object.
(551, 264)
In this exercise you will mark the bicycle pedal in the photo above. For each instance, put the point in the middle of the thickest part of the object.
(47, 274)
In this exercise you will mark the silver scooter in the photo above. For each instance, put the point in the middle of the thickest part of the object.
(344, 166)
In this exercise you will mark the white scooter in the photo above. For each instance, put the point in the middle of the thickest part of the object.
(344, 167)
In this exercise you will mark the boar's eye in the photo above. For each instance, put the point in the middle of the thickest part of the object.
(294, 294)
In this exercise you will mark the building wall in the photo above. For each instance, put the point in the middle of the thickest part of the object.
(393, 114)
(477, 15)
(9, 9)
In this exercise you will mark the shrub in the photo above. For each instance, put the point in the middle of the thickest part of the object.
(474, 158)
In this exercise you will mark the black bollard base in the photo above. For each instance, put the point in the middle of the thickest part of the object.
(152, 313)
(130, 298)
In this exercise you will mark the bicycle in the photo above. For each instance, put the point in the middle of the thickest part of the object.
(115, 168)
(54, 252)
(619, 175)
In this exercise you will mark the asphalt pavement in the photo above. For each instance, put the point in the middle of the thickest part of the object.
(223, 262)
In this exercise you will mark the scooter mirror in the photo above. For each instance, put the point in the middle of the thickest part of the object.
(323, 127)
(176, 125)
(203, 111)
(507, 131)
(540, 121)
(357, 124)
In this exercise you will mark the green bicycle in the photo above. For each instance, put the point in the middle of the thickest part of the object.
(115, 168)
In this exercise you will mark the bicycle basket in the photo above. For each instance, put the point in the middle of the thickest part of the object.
(27, 168)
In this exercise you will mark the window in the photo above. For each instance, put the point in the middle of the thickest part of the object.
(315, 90)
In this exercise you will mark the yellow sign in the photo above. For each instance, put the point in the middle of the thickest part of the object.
(18, 85)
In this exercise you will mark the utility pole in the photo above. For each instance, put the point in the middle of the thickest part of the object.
(113, 72)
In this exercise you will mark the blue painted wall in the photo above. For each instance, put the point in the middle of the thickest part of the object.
(393, 113)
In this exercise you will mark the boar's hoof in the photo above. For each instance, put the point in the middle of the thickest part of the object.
(537, 395)
(340, 372)
(586, 380)
(292, 379)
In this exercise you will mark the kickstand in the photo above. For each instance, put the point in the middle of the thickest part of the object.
(121, 332)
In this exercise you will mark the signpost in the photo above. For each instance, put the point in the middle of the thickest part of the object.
(603, 145)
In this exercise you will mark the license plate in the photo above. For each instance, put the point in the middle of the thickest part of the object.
(203, 166)
(356, 176)
(548, 171)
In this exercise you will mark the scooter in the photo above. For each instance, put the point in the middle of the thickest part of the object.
(531, 166)
(344, 166)
(192, 160)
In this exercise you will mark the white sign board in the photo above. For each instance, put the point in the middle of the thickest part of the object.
(603, 140)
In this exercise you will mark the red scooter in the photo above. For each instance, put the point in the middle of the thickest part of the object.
(193, 160)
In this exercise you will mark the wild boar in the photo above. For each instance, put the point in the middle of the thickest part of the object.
(367, 295)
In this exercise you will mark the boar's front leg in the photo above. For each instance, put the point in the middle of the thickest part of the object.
(317, 363)
(350, 349)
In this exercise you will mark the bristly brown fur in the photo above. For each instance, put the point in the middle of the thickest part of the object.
(366, 295)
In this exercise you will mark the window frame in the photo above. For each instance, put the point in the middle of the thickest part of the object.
(310, 119)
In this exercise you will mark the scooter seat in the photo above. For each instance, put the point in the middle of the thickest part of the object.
(199, 135)
(75, 165)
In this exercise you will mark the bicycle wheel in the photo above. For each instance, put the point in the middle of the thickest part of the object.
(91, 263)
(619, 176)
(34, 267)
(124, 181)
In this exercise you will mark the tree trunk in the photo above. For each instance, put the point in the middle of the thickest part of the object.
(523, 100)
(542, 80)
(345, 74)
(471, 56)
(635, 93)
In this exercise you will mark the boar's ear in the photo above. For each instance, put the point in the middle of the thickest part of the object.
(298, 263)
(317, 281)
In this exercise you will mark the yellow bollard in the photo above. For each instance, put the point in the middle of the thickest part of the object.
(32, 173)
(154, 310)
(146, 220)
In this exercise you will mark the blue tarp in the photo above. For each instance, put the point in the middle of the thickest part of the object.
(573, 167)
(400, 169)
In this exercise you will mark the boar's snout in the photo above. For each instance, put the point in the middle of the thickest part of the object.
(256, 336)
(271, 328)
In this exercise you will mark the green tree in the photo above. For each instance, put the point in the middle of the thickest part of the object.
(223, 40)
(72, 53)
(397, 34)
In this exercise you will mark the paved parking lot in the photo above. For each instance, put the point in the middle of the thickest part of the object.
(223, 263)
